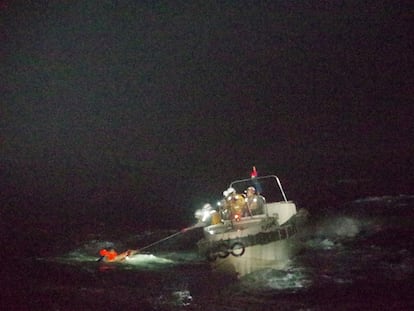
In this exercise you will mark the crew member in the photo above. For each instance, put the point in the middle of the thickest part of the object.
(254, 202)
(233, 204)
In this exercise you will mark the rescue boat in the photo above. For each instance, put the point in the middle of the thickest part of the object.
(253, 227)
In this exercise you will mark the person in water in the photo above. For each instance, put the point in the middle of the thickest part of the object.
(111, 255)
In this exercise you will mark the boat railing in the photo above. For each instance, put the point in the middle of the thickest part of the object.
(256, 181)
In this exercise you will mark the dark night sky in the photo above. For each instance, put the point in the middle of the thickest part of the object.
(109, 105)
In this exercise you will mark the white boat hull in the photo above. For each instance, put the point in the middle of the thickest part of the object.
(247, 248)
(273, 255)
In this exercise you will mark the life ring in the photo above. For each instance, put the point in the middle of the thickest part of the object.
(237, 249)
(222, 251)
(211, 256)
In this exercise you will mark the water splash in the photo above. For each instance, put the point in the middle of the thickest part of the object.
(293, 277)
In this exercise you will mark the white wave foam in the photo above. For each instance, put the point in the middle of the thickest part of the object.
(333, 228)
(142, 259)
(291, 278)
(386, 199)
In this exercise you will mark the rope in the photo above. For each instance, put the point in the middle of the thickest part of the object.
(168, 237)
(159, 241)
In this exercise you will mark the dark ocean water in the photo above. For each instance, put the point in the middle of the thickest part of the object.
(357, 256)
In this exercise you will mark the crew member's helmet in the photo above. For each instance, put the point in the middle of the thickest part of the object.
(229, 191)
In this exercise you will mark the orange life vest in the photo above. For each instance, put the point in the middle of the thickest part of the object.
(109, 255)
